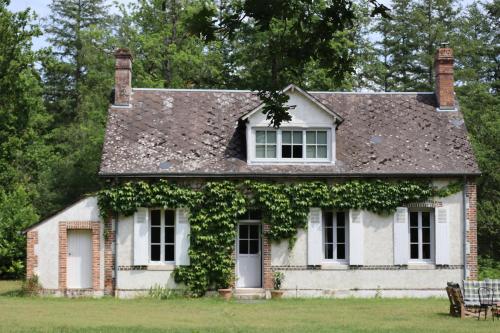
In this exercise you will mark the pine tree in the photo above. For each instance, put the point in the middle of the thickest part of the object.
(68, 21)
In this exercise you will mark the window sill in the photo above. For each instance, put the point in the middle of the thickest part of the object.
(421, 265)
(161, 267)
(334, 265)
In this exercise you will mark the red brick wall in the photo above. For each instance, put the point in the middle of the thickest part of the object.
(471, 216)
(123, 77)
(31, 257)
(95, 228)
(109, 260)
(266, 259)
(443, 65)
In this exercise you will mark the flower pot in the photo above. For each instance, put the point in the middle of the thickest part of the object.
(226, 293)
(275, 294)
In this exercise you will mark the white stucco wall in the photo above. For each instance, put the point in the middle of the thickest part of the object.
(377, 276)
(378, 251)
(47, 248)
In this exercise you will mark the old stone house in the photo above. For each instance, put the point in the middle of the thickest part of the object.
(192, 136)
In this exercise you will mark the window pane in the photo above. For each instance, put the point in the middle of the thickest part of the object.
(321, 138)
(414, 235)
(260, 136)
(340, 235)
(243, 246)
(155, 252)
(155, 234)
(328, 219)
(155, 217)
(426, 235)
(414, 219)
(271, 151)
(286, 137)
(322, 152)
(254, 232)
(328, 235)
(243, 231)
(297, 137)
(341, 251)
(414, 251)
(169, 217)
(169, 253)
(297, 151)
(286, 151)
(329, 251)
(426, 219)
(169, 234)
(311, 151)
(260, 151)
(254, 246)
(311, 137)
(340, 219)
(426, 251)
(271, 137)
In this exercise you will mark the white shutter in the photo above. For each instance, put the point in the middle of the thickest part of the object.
(182, 230)
(401, 236)
(314, 237)
(141, 236)
(356, 237)
(442, 236)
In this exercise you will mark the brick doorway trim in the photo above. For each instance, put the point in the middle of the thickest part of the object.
(95, 228)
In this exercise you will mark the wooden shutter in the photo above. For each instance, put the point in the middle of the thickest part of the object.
(356, 237)
(401, 236)
(442, 236)
(182, 230)
(314, 237)
(141, 236)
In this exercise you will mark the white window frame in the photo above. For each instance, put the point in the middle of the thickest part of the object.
(162, 236)
(334, 239)
(432, 237)
(304, 159)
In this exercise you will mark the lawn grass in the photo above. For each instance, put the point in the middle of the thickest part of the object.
(50, 314)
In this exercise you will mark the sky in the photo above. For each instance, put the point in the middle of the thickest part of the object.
(42, 10)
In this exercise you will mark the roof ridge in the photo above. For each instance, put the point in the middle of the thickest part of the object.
(308, 91)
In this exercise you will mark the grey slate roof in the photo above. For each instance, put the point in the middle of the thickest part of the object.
(199, 132)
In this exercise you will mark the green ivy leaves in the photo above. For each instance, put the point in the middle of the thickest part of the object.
(215, 208)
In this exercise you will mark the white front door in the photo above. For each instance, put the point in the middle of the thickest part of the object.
(249, 264)
(79, 264)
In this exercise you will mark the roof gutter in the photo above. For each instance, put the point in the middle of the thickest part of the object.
(284, 175)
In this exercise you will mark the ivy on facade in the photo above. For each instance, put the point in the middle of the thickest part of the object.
(214, 211)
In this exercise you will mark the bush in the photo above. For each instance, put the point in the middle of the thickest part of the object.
(489, 268)
(278, 278)
(31, 286)
(159, 292)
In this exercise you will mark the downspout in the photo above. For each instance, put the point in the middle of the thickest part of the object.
(115, 247)
(464, 212)
(115, 254)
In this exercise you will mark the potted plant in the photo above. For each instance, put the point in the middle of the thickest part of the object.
(278, 278)
(226, 292)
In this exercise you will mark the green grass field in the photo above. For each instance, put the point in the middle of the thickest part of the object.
(50, 314)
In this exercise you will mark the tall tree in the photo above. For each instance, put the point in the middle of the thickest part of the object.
(170, 44)
(78, 77)
(67, 22)
(22, 119)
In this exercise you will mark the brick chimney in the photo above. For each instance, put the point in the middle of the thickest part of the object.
(443, 66)
(123, 76)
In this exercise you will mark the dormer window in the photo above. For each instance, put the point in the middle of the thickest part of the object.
(292, 145)
(307, 138)
(265, 144)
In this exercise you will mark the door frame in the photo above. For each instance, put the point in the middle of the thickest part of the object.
(95, 227)
(261, 252)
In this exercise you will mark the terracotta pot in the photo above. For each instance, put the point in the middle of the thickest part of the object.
(226, 293)
(276, 294)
